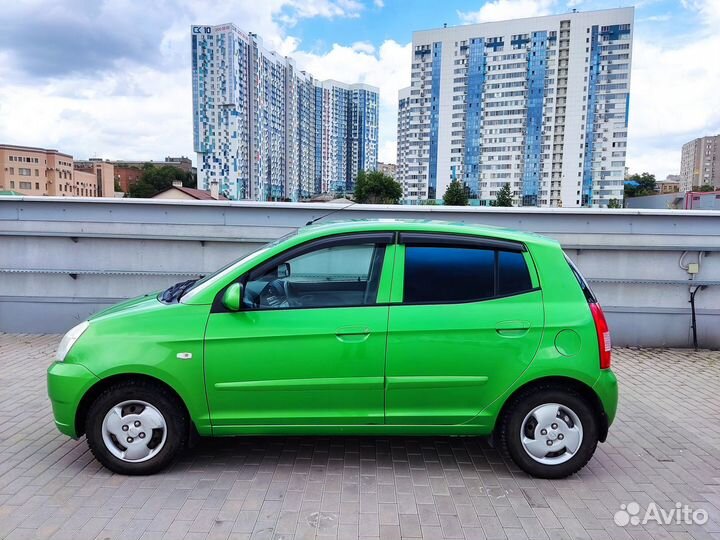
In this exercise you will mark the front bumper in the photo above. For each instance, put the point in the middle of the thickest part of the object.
(67, 384)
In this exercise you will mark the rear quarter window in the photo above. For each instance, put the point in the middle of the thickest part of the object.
(587, 291)
(513, 274)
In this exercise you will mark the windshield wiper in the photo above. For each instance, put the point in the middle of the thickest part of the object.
(176, 291)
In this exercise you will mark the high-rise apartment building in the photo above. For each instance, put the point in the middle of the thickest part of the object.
(264, 130)
(539, 103)
(700, 163)
(414, 189)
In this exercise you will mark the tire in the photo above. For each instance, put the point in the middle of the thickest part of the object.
(527, 432)
(145, 419)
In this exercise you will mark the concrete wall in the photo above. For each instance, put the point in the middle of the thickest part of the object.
(699, 200)
(664, 201)
(62, 259)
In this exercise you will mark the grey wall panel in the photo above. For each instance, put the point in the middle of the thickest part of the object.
(122, 248)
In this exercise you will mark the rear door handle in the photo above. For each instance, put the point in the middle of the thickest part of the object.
(512, 328)
(352, 334)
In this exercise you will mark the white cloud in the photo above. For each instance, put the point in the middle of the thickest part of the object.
(293, 10)
(127, 106)
(708, 9)
(363, 47)
(152, 122)
(656, 18)
(674, 94)
(501, 10)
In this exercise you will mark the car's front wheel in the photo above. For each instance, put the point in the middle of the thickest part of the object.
(136, 427)
(549, 432)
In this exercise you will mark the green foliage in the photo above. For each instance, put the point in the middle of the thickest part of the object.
(374, 187)
(504, 196)
(614, 203)
(645, 185)
(142, 190)
(704, 187)
(455, 195)
(156, 179)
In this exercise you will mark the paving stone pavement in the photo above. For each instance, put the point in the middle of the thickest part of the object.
(664, 448)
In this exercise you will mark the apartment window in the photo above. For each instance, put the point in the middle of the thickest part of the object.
(12, 170)
(25, 185)
(24, 172)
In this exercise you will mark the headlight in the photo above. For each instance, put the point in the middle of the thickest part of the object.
(69, 340)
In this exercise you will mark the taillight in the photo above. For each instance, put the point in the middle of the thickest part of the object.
(603, 334)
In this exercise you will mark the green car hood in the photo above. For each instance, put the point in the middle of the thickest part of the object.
(145, 300)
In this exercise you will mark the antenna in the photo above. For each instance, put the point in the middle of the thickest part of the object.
(329, 213)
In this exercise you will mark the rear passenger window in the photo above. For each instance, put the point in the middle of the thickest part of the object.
(513, 273)
(449, 274)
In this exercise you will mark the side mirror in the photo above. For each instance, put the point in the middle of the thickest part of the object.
(283, 270)
(232, 299)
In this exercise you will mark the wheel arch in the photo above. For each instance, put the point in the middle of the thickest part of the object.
(562, 383)
(95, 390)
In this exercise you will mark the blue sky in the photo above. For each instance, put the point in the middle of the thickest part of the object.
(115, 81)
(397, 19)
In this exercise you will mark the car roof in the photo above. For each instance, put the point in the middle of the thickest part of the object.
(421, 225)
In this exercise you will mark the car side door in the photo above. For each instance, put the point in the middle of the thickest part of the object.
(308, 345)
(466, 319)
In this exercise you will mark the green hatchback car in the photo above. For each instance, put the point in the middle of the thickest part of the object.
(355, 328)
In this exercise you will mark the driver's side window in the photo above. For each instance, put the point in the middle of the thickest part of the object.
(342, 274)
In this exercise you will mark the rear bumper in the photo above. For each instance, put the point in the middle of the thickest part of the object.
(606, 388)
(67, 384)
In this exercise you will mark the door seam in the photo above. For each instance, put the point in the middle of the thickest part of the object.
(387, 335)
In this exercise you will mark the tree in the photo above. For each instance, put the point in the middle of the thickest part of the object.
(455, 195)
(375, 187)
(156, 179)
(142, 190)
(704, 187)
(504, 196)
(614, 203)
(639, 185)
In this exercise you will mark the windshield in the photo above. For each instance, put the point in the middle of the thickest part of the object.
(209, 280)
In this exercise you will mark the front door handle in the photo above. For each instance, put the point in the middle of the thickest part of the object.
(352, 334)
(512, 328)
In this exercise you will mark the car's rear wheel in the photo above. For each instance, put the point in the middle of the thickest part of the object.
(549, 432)
(136, 427)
